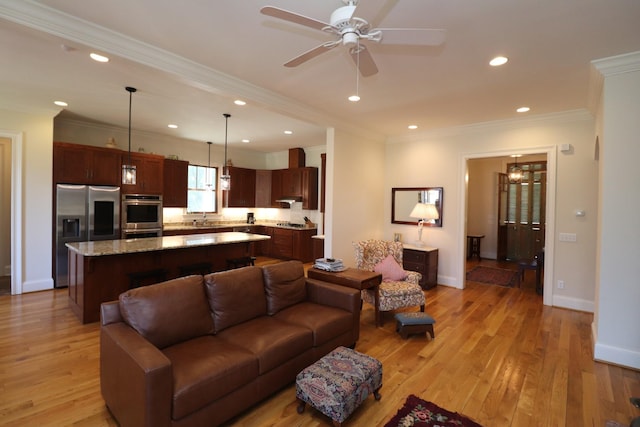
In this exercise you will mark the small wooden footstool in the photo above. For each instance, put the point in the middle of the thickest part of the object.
(338, 383)
(415, 322)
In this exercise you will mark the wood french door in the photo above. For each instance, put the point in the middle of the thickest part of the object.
(521, 212)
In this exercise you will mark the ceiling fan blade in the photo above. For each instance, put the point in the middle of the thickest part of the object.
(411, 36)
(365, 63)
(310, 54)
(293, 17)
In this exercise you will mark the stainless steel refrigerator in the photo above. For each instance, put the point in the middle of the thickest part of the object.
(83, 213)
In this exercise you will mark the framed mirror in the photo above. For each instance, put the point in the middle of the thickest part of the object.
(403, 201)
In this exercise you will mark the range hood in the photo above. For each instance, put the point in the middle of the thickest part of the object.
(289, 199)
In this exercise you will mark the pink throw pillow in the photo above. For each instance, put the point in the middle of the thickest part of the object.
(390, 269)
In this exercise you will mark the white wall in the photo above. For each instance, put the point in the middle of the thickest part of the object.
(34, 236)
(617, 339)
(5, 206)
(355, 200)
(432, 160)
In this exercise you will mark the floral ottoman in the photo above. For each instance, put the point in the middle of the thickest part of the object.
(338, 383)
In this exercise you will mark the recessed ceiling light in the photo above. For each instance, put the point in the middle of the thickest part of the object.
(172, 126)
(99, 58)
(412, 127)
(288, 132)
(239, 102)
(523, 109)
(246, 141)
(354, 98)
(60, 103)
(498, 60)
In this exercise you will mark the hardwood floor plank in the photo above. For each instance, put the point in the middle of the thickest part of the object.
(499, 357)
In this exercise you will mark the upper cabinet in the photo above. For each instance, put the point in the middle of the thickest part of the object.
(175, 183)
(243, 188)
(263, 188)
(81, 164)
(300, 183)
(149, 174)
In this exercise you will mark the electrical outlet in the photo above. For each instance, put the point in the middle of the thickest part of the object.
(560, 284)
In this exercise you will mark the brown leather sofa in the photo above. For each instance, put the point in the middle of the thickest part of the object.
(198, 350)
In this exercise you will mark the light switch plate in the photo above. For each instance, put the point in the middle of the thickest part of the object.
(568, 237)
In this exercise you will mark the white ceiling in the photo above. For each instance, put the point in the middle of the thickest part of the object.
(190, 59)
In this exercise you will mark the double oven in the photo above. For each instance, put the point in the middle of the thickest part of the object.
(141, 215)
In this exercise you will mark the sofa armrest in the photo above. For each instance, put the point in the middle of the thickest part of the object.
(135, 378)
(333, 295)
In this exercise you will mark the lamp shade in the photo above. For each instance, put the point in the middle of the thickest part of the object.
(424, 211)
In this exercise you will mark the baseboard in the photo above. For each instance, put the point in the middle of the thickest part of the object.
(449, 281)
(616, 355)
(573, 303)
(37, 285)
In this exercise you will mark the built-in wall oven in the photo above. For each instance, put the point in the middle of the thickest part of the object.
(141, 215)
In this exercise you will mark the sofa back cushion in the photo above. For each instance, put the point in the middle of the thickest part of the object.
(235, 296)
(168, 313)
(284, 284)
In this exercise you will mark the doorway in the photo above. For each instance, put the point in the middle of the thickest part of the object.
(484, 222)
(522, 212)
(5, 216)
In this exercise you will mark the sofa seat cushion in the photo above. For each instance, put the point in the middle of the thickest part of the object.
(205, 369)
(325, 322)
(169, 312)
(273, 341)
(235, 296)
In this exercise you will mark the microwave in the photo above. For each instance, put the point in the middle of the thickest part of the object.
(141, 211)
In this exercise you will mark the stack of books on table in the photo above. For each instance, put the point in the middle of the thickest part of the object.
(329, 264)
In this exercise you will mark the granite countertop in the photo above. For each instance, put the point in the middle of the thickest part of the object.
(151, 244)
(214, 225)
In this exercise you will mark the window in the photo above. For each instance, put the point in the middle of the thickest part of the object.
(202, 189)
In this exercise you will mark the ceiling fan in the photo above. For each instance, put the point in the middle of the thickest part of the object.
(350, 31)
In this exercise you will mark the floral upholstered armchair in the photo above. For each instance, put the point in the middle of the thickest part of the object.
(399, 288)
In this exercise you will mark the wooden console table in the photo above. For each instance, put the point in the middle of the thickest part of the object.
(353, 278)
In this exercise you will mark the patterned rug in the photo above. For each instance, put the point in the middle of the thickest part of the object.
(417, 412)
(493, 276)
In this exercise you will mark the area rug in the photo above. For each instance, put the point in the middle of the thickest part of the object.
(493, 276)
(417, 412)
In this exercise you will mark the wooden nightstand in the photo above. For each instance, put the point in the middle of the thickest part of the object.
(424, 260)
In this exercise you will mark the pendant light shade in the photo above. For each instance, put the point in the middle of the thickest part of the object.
(129, 170)
(225, 178)
(515, 173)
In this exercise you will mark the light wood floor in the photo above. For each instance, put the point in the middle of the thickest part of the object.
(499, 357)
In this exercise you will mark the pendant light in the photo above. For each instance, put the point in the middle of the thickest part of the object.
(225, 178)
(209, 183)
(129, 170)
(515, 173)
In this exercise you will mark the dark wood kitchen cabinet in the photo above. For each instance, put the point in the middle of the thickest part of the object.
(263, 188)
(281, 243)
(300, 183)
(243, 188)
(82, 164)
(175, 178)
(424, 261)
(149, 174)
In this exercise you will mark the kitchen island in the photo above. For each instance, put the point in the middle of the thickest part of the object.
(100, 271)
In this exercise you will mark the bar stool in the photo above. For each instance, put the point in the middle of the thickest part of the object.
(149, 277)
(200, 268)
(240, 262)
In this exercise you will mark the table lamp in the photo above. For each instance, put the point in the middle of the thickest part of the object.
(424, 212)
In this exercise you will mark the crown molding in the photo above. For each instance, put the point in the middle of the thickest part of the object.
(620, 64)
(43, 18)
